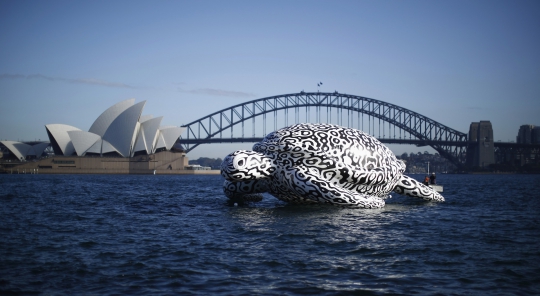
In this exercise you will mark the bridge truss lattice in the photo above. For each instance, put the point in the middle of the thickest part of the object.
(251, 121)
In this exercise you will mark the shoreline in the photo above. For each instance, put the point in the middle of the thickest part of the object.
(113, 172)
(162, 163)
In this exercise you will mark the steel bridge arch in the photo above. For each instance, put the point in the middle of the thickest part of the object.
(448, 142)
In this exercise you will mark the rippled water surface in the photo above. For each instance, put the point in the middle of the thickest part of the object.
(108, 234)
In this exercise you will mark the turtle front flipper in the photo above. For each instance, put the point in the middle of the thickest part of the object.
(410, 187)
(245, 191)
(308, 184)
(246, 175)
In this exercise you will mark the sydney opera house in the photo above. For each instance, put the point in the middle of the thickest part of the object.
(121, 140)
(121, 130)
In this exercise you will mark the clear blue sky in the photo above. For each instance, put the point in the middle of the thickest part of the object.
(453, 61)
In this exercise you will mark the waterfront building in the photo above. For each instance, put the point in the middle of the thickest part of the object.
(524, 134)
(528, 134)
(120, 130)
(535, 137)
(20, 151)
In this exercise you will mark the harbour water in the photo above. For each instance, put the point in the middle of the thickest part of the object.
(176, 235)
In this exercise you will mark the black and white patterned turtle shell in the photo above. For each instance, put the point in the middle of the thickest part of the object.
(306, 163)
(348, 156)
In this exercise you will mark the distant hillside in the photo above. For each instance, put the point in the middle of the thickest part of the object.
(209, 162)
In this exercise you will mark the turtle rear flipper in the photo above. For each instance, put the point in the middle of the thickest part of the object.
(410, 187)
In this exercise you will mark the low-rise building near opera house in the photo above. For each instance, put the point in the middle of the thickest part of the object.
(121, 140)
(14, 151)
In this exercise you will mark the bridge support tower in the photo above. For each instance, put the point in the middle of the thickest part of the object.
(481, 150)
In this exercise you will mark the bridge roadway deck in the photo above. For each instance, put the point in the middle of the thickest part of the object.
(418, 143)
(258, 139)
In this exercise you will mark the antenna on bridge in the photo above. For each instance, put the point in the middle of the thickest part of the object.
(318, 85)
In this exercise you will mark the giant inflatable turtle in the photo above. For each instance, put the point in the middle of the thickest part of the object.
(319, 163)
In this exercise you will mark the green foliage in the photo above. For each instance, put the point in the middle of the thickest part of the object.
(208, 162)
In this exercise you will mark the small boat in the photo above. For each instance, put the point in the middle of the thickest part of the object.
(438, 188)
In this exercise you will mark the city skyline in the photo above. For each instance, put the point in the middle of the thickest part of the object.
(455, 62)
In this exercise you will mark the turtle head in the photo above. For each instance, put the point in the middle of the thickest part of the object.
(246, 165)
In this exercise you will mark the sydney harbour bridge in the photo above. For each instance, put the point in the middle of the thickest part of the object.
(391, 124)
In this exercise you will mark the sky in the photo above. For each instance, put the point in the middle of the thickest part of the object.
(456, 62)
